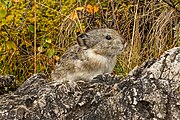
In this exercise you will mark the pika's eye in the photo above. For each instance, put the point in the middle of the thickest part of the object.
(108, 37)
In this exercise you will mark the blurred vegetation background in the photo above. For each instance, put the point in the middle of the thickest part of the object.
(35, 33)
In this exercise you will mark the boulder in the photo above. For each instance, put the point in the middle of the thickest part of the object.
(150, 91)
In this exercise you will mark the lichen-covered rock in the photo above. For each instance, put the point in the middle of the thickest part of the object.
(7, 82)
(150, 92)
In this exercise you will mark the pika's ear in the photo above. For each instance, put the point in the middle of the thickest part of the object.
(82, 40)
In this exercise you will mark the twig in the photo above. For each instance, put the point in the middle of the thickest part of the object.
(35, 55)
(133, 34)
(113, 15)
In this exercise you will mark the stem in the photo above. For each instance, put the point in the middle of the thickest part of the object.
(133, 34)
(35, 55)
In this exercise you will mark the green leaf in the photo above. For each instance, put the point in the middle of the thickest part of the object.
(9, 4)
(3, 21)
(6, 3)
(50, 52)
(3, 13)
(2, 2)
(31, 28)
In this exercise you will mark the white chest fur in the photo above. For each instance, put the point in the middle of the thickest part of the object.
(106, 64)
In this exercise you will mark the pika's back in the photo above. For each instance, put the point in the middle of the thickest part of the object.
(94, 54)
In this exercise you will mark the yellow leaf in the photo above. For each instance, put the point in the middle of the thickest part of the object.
(89, 9)
(80, 8)
(9, 18)
(96, 8)
(48, 41)
(74, 15)
(11, 45)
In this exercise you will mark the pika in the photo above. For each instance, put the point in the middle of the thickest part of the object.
(94, 54)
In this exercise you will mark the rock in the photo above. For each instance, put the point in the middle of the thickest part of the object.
(150, 92)
(7, 82)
